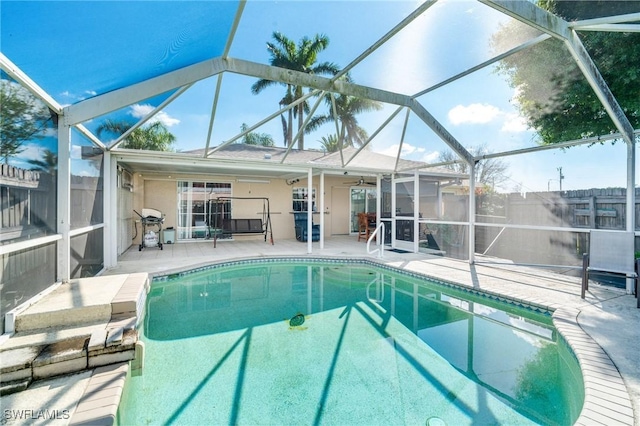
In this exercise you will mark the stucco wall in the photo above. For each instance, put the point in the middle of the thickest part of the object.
(160, 193)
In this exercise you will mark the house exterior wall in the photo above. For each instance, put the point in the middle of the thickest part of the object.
(160, 193)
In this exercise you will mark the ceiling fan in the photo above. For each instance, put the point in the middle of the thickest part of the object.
(360, 182)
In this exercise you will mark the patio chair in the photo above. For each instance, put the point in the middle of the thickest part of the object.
(300, 223)
(610, 252)
(366, 225)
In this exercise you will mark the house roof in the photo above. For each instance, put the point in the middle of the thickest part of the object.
(268, 161)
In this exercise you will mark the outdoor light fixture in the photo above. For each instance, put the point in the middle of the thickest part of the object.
(292, 181)
(253, 181)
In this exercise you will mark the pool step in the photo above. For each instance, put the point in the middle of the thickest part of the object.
(55, 336)
(27, 364)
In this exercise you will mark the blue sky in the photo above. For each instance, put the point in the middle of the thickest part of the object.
(450, 37)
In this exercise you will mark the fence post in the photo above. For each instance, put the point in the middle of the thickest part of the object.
(585, 279)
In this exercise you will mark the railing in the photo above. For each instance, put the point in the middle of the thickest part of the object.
(379, 241)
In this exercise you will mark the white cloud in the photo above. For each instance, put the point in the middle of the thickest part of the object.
(514, 123)
(407, 149)
(485, 113)
(142, 110)
(31, 152)
(474, 114)
(76, 152)
(430, 157)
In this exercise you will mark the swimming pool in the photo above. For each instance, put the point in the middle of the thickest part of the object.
(320, 342)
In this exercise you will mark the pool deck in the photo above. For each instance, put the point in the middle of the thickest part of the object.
(603, 329)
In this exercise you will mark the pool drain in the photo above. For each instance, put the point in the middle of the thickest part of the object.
(296, 320)
(435, 421)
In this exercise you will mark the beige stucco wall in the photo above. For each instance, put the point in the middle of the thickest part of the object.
(160, 193)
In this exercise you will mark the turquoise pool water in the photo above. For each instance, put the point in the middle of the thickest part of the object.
(224, 346)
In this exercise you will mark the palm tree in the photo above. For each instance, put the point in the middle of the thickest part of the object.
(48, 163)
(285, 54)
(255, 138)
(330, 143)
(154, 137)
(347, 107)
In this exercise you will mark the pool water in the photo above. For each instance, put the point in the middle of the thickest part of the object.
(343, 343)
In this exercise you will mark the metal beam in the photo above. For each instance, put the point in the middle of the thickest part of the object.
(612, 28)
(439, 130)
(547, 22)
(297, 78)
(149, 116)
(84, 131)
(617, 19)
(234, 28)
(531, 15)
(404, 132)
(378, 130)
(261, 122)
(500, 57)
(304, 124)
(212, 117)
(120, 98)
(18, 75)
(599, 86)
(395, 30)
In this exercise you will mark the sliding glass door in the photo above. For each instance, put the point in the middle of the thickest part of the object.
(193, 207)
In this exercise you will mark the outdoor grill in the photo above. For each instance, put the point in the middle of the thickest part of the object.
(150, 218)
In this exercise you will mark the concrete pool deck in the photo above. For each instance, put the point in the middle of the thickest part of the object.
(603, 329)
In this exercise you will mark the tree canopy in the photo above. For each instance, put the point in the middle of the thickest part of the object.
(301, 57)
(255, 138)
(490, 172)
(23, 117)
(347, 108)
(154, 137)
(552, 92)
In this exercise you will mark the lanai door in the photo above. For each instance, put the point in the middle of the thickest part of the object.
(404, 214)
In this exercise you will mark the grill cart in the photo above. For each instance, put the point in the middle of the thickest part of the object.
(150, 218)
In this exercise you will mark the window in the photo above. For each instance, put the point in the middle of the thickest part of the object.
(300, 198)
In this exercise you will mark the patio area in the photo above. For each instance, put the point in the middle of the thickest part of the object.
(604, 316)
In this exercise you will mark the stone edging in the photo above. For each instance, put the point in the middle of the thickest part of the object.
(606, 398)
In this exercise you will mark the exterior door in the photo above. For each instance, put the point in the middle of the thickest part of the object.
(363, 200)
(404, 215)
(339, 211)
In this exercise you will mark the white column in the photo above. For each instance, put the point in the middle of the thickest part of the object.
(63, 196)
(110, 211)
(472, 212)
(321, 210)
(380, 239)
(631, 201)
(416, 211)
(309, 211)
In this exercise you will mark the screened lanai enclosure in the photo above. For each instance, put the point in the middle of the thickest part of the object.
(487, 131)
